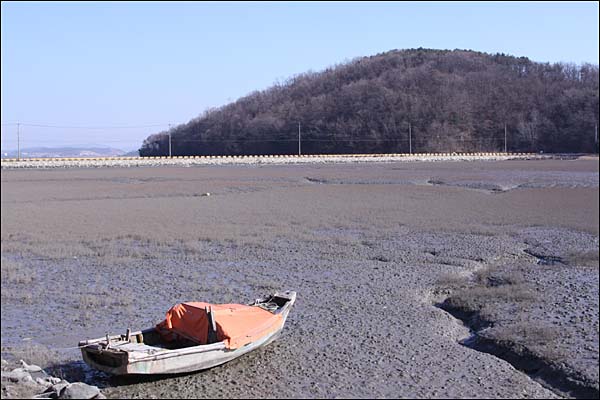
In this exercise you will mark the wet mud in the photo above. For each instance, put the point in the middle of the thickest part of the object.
(367, 247)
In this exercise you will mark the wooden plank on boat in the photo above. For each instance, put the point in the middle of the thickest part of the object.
(212, 327)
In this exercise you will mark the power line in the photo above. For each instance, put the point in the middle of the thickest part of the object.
(84, 127)
(338, 139)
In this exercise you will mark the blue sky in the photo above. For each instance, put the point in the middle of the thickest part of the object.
(107, 65)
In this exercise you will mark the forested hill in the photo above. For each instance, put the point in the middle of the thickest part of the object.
(429, 100)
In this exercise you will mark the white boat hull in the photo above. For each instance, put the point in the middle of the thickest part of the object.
(136, 358)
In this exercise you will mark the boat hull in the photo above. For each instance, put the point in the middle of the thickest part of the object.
(141, 359)
(173, 363)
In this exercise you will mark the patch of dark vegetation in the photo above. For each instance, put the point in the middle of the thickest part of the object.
(475, 303)
(316, 180)
(544, 259)
(435, 182)
(381, 259)
(368, 104)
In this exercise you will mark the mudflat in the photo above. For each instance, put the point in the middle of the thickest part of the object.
(415, 279)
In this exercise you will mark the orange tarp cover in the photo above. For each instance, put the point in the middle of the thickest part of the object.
(237, 324)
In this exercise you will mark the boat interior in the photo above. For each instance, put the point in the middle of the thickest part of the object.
(144, 340)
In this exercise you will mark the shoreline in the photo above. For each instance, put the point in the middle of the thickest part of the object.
(189, 161)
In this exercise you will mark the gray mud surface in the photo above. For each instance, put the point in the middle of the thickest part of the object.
(370, 249)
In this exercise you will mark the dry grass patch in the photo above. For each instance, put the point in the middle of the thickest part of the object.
(489, 289)
(15, 272)
(495, 277)
(526, 333)
(451, 280)
(32, 353)
(484, 299)
(586, 259)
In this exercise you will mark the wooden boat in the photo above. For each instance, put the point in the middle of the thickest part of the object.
(193, 336)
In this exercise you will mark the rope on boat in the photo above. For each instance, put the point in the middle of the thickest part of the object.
(70, 348)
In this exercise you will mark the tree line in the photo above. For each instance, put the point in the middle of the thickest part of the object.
(418, 100)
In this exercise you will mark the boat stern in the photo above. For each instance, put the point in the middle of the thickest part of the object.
(111, 361)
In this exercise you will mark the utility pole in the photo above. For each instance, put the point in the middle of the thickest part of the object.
(170, 154)
(299, 141)
(505, 138)
(596, 134)
(409, 138)
(18, 142)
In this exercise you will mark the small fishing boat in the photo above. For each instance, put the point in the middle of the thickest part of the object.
(193, 336)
